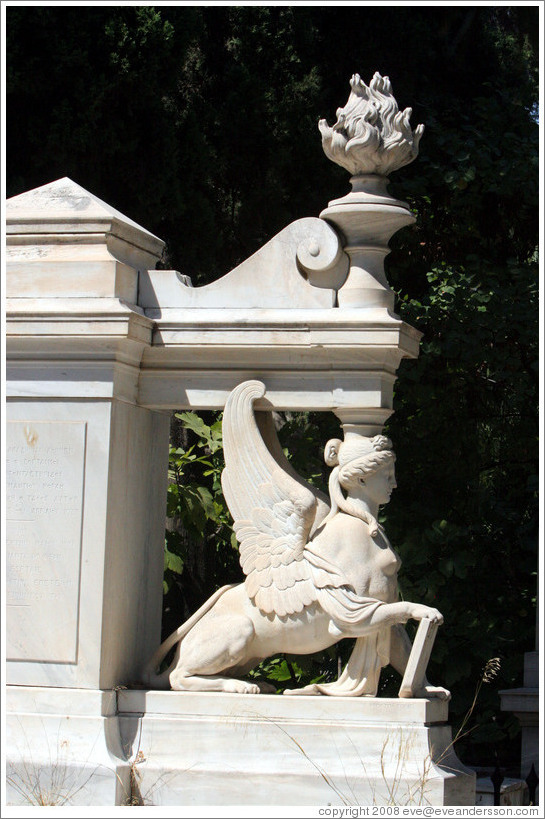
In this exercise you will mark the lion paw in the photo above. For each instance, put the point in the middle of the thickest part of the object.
(311, 690)
(241, 687)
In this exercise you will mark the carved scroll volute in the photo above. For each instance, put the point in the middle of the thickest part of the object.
(371, 138)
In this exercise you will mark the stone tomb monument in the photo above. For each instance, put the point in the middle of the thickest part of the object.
(101, 347)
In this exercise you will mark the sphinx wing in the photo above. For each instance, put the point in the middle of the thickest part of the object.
(273, 511)
(267, 429)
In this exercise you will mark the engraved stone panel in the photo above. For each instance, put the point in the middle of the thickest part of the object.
(44, 478)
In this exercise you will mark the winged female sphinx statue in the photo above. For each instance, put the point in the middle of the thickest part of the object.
(315, 572)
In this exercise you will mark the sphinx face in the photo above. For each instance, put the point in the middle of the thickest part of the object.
(378, 487)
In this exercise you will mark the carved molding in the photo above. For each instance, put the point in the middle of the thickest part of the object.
(301, 267)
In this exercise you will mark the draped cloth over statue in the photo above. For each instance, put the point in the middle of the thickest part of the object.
(371, 653)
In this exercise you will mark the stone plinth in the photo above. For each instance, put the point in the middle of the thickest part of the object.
(86, 465)
(227, 749)
(63, 748)
(51, 227)
(74, 747)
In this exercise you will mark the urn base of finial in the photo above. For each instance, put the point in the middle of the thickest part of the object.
(366, 286)
(367, 218)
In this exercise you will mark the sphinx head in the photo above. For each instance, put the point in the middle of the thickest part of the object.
(363, 468)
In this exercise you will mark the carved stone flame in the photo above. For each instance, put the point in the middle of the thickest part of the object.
(371, 135)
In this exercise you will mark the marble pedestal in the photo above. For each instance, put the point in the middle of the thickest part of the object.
(227, 749)
(86, 464)
(63, 747)
(100, 348)
(76, 747)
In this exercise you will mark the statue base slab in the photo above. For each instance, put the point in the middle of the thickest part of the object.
(90, 748)
(62, 747)
(192, 748)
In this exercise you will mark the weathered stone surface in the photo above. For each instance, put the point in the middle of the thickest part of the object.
(64, 749)
(52, 227)
(223, 749)
(302, 267)
(93, 634)
(44, 473)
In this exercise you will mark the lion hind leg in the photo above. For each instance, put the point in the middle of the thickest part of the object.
(217, 646)
(149, 673)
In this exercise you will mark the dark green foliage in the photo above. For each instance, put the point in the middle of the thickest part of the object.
(201, 551)
(200, 123)
(465, 516)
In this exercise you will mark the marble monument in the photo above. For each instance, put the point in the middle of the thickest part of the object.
(101, 347)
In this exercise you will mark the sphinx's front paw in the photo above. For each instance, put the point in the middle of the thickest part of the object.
(308, 690)
(434, 692)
